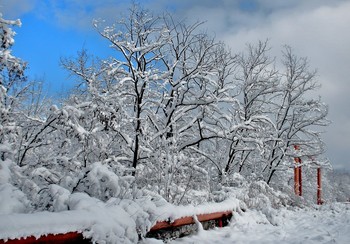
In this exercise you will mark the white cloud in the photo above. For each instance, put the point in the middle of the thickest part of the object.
(317, 29)
(15, 8)
(321, 33)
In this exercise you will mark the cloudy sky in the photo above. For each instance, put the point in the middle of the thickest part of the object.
(317, 29)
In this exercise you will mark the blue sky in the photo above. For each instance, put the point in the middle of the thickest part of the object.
(42, 43)
(317, 29)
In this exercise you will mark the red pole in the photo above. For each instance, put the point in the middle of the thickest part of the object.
(300, 180)
(296, 180)
(220, 222)
(297, 174)
(319, 187)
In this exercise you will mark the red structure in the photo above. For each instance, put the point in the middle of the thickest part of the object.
(298, 187)
(70, 237)
(319, 186)
(221, 218)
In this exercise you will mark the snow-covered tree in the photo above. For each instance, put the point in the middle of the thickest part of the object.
(172, 111)
(258, 80)
(161, 97)
(178, 111)
(11, 94)
(11, 70)
(298, 116)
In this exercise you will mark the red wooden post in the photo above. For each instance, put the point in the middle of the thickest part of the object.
(300, 180)
(297, 175)
(70, 237)
(319, 187)
(220, 223)
(296, 180)
(189, 220)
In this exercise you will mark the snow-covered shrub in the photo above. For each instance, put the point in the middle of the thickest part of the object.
(177, 177)
(260, 195)
(110, 223)
(100, 181)
(121, 218)
(254, 194)
(336, 186)
(54, 198)
(235, 185)
(12, 200)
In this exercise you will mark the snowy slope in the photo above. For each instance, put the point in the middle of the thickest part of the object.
(117, 221)
(328, 224)
(96, 220)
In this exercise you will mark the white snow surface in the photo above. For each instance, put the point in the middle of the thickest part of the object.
(116, 221)
(172, 212)
(12, 200)
(327, 224)
(95, 219)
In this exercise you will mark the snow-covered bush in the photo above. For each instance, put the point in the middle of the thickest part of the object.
(12, 200)
(101, 182)
(110, 222)
(339, 185)
(254, 195)
(260, 195)
(175, 118)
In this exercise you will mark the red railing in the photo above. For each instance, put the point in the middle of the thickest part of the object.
(75, 237)
(70, 237)
(190, 220)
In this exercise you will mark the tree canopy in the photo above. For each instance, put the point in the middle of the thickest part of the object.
(172, 111)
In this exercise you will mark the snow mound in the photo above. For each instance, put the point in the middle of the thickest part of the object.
(102, 222)
(12, 200)
(327, 224)
(172, 212)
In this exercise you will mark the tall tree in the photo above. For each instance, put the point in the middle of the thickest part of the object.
(11, 90)
(258, 80)
(163, 90)
(298, 116)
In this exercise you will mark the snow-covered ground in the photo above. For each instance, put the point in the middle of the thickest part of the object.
(328, 224)
(117, 220)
